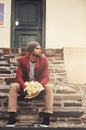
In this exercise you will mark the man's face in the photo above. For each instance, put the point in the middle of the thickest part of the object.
(37, 51)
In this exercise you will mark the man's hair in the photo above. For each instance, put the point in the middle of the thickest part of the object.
(31, 45)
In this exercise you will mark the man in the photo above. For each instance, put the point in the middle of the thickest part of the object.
(31, 67)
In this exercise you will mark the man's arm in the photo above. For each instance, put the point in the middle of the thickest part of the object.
(45, 73)
(19, 74)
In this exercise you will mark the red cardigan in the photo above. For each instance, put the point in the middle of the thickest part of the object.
(41, 70)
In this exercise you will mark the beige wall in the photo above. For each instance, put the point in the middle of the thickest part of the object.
(75, 64)
(65, 23)
(5, 30)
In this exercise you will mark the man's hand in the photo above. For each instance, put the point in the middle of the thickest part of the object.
(26, 83)
(25, 92)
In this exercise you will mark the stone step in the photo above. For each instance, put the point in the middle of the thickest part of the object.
(29, 114)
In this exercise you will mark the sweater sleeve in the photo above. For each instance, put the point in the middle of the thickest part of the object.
(45, 73)
(19, 73)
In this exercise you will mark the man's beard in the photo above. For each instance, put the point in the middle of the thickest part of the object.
(36, 55)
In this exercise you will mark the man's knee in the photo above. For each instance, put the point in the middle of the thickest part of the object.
(14, 86)
(48, 87)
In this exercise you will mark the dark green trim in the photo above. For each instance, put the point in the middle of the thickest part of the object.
(43, 23)
(12, 24)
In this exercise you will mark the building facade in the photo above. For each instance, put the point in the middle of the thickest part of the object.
(64, 23)
(56, 24)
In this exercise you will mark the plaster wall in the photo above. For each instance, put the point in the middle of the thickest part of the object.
(75, 64)
(65, 23)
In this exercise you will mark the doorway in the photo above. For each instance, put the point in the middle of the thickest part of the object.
(28, 22)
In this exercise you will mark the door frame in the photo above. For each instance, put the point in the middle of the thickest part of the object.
(12, 34)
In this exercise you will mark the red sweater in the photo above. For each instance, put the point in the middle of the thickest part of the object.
(41, 70)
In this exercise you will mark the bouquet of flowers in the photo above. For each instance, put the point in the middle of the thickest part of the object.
(32, 89)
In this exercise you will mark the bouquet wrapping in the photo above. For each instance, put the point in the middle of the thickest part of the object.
(32, 89)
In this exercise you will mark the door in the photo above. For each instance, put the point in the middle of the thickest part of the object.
(27, 22)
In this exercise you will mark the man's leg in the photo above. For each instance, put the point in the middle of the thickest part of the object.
(12, 103)
(49, 99)
(48, 105)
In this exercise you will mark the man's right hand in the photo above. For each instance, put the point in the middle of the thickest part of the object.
(25, 93)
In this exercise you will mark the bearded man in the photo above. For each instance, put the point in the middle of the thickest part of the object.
(31, 67)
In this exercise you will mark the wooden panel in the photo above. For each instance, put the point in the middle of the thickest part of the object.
(23, 37)
(29, 14)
